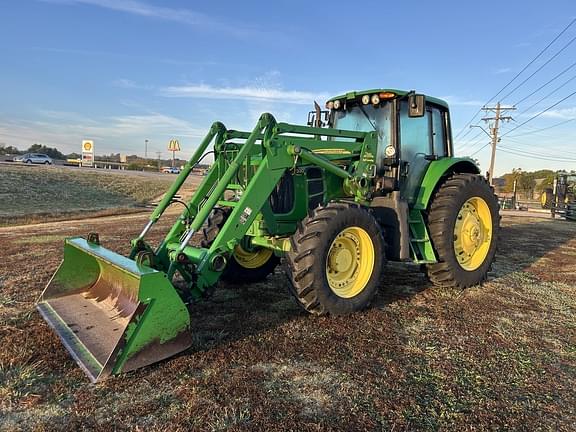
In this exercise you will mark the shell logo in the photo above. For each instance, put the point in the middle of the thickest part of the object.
(87, 146)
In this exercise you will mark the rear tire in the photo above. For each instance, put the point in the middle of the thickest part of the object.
(463, 222)
(336, 259)
(244, 266)
(28, 161)
(547, 198)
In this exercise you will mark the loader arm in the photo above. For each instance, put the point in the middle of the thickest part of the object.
(117, 313)
(252, 170)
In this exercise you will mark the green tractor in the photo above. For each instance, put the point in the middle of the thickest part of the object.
(372, 178)
(561, 197)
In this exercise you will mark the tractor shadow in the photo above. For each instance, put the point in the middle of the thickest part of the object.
(545, 248)
(521, 246)
(236, 312)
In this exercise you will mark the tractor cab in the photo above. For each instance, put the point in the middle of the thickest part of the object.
(413, 130)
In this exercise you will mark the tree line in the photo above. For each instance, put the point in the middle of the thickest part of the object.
(54, 153)
(528, 182)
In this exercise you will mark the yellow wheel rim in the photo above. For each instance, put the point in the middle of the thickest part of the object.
(473, 233)
(252, 259)
(543, 199)
(350, 262)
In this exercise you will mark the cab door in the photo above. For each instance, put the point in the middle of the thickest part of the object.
(422, 140)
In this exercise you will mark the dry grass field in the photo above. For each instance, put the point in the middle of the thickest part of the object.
(37, 193)
(497, 357)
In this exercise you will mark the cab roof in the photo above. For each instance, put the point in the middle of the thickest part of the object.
(358, 94)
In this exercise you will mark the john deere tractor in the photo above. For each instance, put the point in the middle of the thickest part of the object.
(371, 178)
(561, 197)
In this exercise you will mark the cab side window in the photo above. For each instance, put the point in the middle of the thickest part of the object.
(414, 134)
(438, 132)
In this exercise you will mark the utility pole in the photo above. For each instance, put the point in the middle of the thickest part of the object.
(145, 149)
(159, 154)
(498, 110)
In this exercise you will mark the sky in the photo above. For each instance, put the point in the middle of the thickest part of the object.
(125, 71)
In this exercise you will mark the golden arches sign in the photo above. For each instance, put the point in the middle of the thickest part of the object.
(174, 145)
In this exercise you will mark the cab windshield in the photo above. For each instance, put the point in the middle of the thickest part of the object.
(367, 118)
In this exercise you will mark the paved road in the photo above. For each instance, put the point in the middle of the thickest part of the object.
(96, 170)
(527, 213)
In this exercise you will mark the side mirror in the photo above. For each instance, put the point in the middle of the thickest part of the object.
(416, 105)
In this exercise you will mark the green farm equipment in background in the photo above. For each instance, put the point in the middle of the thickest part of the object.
(372, 178)
(561, 197)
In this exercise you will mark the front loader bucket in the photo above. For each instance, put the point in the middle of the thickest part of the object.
(112, 314)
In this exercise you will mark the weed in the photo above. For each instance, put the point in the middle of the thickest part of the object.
(229, 417)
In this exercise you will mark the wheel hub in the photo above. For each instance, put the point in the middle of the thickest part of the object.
(341, 259)
(251, 259)
(350, 262)
(472, 233)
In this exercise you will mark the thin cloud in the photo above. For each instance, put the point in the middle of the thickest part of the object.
(130, 84)
(150, 59)
(562, 113)
(65, 130)
(155, 123)
(183, 16)
(522, 44)
(455, 100)
(501, 71)
(251, 93)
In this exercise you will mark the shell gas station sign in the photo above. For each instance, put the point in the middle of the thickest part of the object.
(87, 153)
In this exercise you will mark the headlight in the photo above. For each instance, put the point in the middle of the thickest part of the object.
(366, 99)
(329, 105)
(375, 99)
(337, 104)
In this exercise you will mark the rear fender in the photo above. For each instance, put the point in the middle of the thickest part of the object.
(436, 173)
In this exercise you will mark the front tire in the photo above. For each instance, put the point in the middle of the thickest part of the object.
(336, 259)
(463, 222)
(244, 265)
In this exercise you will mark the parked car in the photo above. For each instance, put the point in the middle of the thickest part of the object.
(36, 158)
(171, 170)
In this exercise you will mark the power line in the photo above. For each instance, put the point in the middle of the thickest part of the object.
(517, 75)
(548, 95)
(566, 154)
(521, 147)
(471, 143)
(542, 129)
(481, 148)
(540, 68)
(533, 156)
(546, 83)
(560, 153)
(540, 113)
